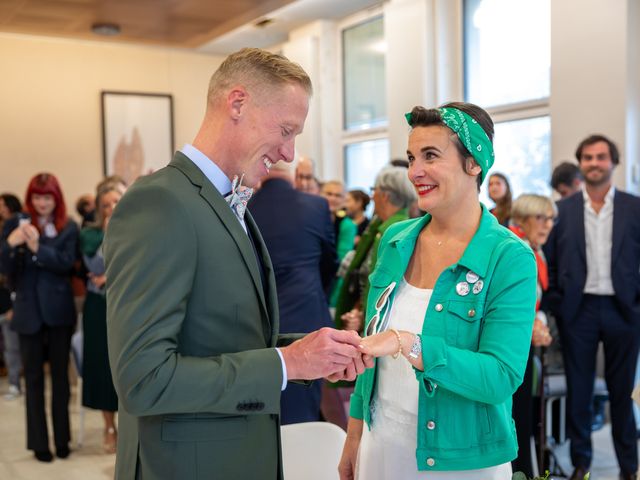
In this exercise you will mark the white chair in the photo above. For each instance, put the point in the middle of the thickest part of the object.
(312, 451)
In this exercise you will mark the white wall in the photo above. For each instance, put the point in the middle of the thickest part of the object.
(50, 117)
(591, 78)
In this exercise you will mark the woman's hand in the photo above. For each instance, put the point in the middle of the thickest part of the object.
(352, 320)
(347, 465)
(381, 344)
(16, 238)
(31, 237)
(541, 336)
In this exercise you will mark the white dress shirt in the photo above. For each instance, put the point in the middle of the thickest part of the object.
(222, 183)
(598, 231)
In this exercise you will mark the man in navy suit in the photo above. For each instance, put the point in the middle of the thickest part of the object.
(594, 291)
(298, 232)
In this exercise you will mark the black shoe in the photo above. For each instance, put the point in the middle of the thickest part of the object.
(44, 456)
(62, 452)
(628, 476)
(579, 473)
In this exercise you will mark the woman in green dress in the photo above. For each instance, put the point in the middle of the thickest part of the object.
(98, 391)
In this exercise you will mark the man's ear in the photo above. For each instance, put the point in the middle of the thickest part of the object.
(236, 102)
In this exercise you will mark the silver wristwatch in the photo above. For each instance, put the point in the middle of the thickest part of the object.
(416, 348)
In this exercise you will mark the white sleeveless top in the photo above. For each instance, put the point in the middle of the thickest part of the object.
(388, 451)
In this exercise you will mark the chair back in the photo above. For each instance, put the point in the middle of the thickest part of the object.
(312, 450)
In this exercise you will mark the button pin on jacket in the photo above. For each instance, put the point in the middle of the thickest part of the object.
(477, 288)
(472, 277)
(462, 289)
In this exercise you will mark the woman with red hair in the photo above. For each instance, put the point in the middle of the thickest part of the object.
(37, 253)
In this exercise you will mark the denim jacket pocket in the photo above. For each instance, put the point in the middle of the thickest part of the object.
(467, 315)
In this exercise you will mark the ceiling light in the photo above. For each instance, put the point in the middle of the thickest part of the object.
(264, 22)
(106, 29)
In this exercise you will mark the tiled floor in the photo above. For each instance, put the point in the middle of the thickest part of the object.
(85, 463)
(89, 463)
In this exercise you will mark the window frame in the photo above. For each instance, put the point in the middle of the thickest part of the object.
(360, 135)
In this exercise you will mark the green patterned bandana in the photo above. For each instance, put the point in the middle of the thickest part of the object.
(470, 133)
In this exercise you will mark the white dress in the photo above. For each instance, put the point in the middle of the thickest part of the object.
(388, 451)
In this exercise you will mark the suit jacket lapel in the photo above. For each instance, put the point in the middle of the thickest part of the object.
(221, 208)
(577, 212)
(271, 294)
(617, 233)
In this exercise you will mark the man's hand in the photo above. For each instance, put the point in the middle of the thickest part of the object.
(350, 373)
(322, 353)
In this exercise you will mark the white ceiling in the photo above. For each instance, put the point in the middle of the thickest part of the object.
(286, 19)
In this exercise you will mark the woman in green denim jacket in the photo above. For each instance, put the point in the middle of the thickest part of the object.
(466, 351)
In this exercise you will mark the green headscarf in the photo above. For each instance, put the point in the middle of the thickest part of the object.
(470, 133)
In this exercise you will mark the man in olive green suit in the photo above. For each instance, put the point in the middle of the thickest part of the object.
(191, 303)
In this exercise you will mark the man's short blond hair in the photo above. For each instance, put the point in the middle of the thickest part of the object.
(255, 68)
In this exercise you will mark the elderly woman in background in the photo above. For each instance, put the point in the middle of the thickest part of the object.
(531, 220)
(98, 391)
(448, 318)
(37, 254)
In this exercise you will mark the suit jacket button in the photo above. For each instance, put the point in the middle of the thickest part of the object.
(240, 407)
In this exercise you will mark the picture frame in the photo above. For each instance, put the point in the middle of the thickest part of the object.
(137, 133)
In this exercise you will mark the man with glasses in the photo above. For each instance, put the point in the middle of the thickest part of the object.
(594, 292)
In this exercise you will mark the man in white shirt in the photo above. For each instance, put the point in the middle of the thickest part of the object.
(594, 291)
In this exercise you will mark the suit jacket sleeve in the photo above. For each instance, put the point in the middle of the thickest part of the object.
(551, 298)
(151, 255)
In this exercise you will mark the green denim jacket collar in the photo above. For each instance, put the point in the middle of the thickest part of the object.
(474, 257)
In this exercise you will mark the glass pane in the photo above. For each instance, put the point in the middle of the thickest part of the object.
(507, 50)
(522, 154)
(364, 75)
(363, 161)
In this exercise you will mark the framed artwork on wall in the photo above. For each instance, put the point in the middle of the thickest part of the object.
(137, 133)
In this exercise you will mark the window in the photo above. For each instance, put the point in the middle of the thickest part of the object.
(522, 154)
(507, 72)
(364, 112)
(363, 161)
(507, 51)
(364, 75)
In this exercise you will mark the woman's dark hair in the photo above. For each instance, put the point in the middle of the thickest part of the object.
(12, 202)
(426, 117)
(360, 197)
(503, 205)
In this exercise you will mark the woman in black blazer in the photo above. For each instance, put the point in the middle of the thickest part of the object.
(37, 253)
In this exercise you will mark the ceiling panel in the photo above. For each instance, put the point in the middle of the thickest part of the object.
(177, 23)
